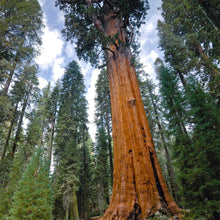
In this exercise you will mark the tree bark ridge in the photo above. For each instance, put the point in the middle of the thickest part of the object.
(138, 186)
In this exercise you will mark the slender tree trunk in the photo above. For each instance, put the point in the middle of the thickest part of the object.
(183, 80)
(75, 205)
(17, 137)
(214, 72)
(50, 147)
(67, 212)
(139, 189)
(9, 133)
(8, 82)
(85, 181)
(170, 170)
(110, 152)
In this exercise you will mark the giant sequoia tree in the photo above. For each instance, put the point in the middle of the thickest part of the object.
(139, 189)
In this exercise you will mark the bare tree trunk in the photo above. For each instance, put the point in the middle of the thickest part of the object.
(183, 80)
(85, 180)
(9, 133)
(139, 189)
(67, 212)
(110, 152)
(8, 82)
(75, 206)
(214, 72)
(50, 147)
(170, 170)
(17, 137)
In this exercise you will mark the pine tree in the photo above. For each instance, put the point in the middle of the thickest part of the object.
(30, 92)
(12, 173)
(31, 140)
(71, 136)
(160, 134)
(175, 104)
(23, 93)
(190, 41)
(103, 114)
(198, 170)
(193, 120)
(109, 26)
(52, 105)
(102, 169)
(33, 196)
(85, 194)
(21, 23)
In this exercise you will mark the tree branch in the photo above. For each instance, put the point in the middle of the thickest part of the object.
(95, 19)
(106, 48)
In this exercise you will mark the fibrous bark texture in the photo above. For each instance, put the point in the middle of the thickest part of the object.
(139, 189)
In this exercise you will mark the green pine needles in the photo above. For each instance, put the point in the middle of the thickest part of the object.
(33, 196)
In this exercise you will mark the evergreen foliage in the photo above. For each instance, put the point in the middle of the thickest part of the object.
(183, 114)
(70, 140)
(190, 41)
(102, 169)
(103, 115)
(195, 147)
(199, 178)
(33, 198)
(84, 18)
(11, 175)
(21, 23)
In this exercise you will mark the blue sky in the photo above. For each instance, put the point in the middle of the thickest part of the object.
(56, 53)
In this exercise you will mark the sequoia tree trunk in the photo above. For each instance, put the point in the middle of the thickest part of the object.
(139, 189)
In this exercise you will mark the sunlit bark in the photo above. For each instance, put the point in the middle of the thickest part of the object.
(139, 189)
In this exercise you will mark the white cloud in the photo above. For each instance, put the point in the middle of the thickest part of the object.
(69, 50)
(91, 100)
(41, 2)
(51, 47)
(149, 37)
(148, 62)
(85, 67)
(51, 53)
(42, 82)
(58, 69)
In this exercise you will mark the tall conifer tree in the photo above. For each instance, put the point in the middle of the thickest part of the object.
(21, 23)
(71, 136)
(103, 115)
(33, 196)
(109, 26)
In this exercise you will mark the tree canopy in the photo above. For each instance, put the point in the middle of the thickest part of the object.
(85, 23)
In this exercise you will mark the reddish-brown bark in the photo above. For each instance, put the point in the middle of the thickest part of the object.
(139, 189)
(213, 71)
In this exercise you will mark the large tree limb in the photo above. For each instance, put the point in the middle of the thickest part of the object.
(96, 21)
